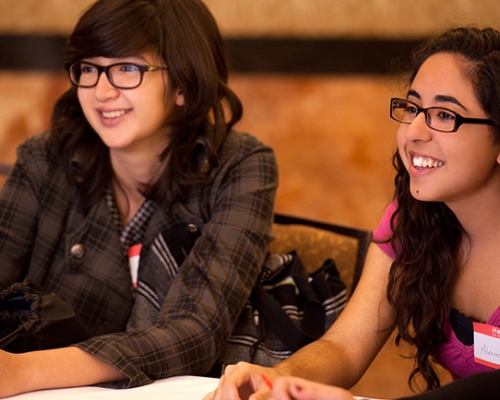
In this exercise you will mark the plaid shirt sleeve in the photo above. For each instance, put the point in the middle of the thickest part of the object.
(213, 283)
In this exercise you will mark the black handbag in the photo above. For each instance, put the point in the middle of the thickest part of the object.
(287, 309)
(31, 318)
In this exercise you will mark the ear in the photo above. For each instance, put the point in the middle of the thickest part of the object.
(179, 99)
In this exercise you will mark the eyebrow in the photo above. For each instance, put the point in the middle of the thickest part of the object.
(119, 60)
(439, 98)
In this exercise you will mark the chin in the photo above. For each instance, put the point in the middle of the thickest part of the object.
(418, 194)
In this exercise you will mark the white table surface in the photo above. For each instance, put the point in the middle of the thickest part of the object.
(176, 388)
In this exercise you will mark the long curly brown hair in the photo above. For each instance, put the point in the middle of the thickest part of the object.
(185, 35)
(427, 237)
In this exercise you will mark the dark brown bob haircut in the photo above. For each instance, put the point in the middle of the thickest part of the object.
(185, 36)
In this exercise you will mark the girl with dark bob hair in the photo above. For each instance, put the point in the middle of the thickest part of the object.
(142, 207)
(432, 272)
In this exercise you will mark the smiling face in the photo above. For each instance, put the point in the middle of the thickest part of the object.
(130, 119)
(448, 166)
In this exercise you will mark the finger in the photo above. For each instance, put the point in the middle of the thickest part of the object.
(239, 382)
(281, 389)
(210, 396)
(302, 389)
(229, 384)
(261, 382)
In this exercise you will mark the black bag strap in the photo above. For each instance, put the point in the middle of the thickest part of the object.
(277, 319)
(313, 321)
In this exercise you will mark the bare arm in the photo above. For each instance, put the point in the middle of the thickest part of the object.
(344, 352)
(58, 368)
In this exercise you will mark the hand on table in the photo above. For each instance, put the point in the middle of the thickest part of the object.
(243, 381)
(293, 388)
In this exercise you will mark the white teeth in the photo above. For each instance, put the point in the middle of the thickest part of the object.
(113, 114)
(421, 162)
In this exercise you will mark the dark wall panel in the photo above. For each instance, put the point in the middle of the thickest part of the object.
(250, 55)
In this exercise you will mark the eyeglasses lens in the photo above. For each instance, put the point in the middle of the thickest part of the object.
(436, 118)
(403, 111)
(119, 75)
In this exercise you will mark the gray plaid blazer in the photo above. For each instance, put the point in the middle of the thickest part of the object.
(48, 238)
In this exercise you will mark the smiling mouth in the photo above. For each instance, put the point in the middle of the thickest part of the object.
(426, 162)
(114, 114)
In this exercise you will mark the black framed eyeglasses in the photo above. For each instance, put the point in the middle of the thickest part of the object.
(437, 118)
(120, 75)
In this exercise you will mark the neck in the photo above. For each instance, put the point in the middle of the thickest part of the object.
(132, 173)
(480, 218)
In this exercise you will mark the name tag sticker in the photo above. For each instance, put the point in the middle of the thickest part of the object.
(134, 254)
(487, 345)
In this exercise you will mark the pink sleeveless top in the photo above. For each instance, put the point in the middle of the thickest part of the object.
(452, 355)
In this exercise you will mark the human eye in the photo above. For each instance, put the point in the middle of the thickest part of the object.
(87, 68)
(445, 115)
(128, 68)
(410, 109)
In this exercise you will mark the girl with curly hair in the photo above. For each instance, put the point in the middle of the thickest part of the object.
(433, 270)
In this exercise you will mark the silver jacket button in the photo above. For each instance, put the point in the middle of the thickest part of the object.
(78, 251)
(192, 228)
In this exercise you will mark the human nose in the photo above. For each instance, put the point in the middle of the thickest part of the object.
(104, 89)
(418, 129)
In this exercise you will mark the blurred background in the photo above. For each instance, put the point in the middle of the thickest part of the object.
(315, 82)
(313, 76)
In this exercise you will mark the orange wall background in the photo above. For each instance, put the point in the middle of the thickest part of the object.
(331, 133)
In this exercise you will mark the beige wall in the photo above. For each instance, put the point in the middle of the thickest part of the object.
(332, 134)
(353, 18)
